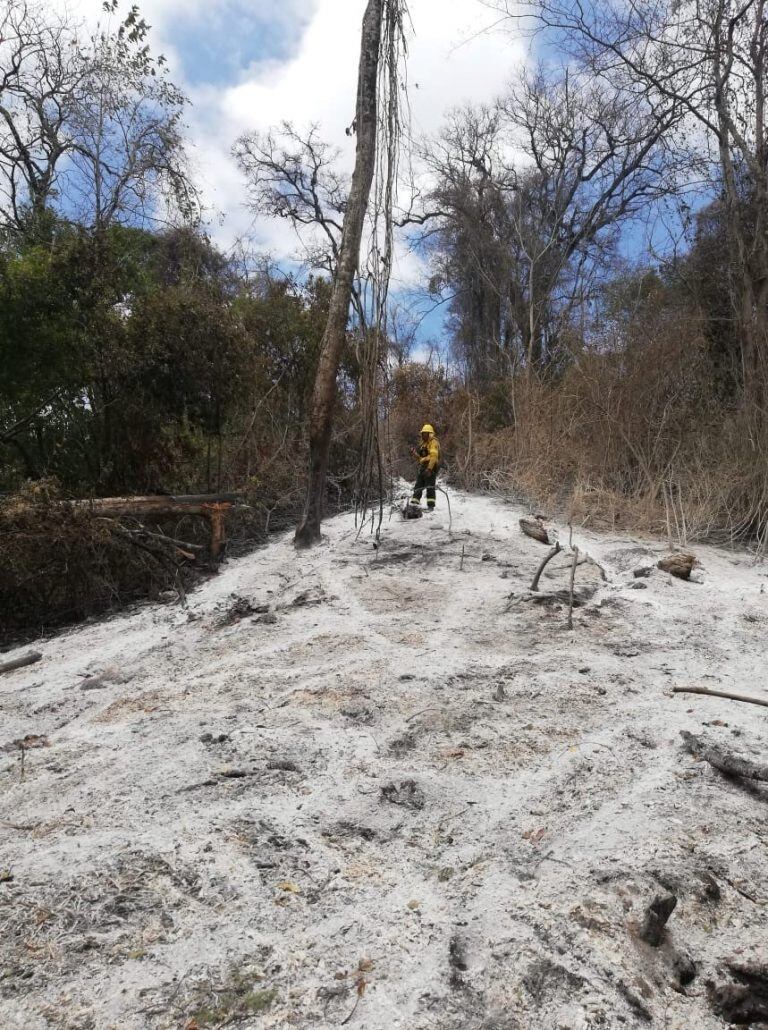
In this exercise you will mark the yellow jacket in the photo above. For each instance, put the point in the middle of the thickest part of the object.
(429, 454)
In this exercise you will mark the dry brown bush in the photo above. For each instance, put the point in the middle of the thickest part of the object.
(631, 436)
(60, 563)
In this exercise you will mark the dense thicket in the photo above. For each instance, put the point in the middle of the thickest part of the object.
(597, 236)
(600, 237)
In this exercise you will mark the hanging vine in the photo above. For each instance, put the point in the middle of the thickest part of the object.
(392, 116)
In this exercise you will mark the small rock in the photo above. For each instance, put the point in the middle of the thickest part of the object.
(457, 954)
(685, 969)
(210, 738)
(711, 891)
(656, 917)
(408, 795)
(283, 765)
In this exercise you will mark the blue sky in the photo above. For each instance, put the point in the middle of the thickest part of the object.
(250, 64)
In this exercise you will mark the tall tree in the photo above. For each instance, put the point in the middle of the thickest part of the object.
(324, 395)
(709, 57)
(522, 239)
(90, 126)
(41, 73)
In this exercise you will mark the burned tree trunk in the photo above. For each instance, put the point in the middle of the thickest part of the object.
(324, 396)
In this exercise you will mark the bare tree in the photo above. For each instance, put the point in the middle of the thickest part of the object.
(293, 176)
(128, 154)
(529, 199)
(40, 75)
(90, 126)
(321, 422)
(710, 58)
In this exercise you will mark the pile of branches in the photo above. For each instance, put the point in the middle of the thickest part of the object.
(61, 562)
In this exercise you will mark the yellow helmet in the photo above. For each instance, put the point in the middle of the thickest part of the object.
(428, 429)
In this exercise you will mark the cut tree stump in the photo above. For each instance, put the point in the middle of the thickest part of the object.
(732, 765)
(679, 565)
(533, 526)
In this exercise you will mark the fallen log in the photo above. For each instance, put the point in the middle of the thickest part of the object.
(732, 765)
(706, 692)
(159, 504)
(18, 663)
(533, 526)
(679, 565)
(213, 507)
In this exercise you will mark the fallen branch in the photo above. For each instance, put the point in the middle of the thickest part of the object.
(544, 562)
(18, 663)
(732, 765)
(721, 693)
(182, 545)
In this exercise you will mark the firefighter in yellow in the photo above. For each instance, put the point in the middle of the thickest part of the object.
(428, 456)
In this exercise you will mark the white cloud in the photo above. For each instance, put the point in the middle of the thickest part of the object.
(452, 61)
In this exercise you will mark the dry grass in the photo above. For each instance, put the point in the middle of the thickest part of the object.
(626, 448)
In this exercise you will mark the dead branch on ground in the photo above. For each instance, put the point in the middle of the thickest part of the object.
(732, 765)
(721, 693)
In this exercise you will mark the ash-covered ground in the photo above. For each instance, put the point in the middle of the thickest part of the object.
(387, 788)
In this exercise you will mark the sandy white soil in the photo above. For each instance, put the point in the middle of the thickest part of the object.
(454, 813)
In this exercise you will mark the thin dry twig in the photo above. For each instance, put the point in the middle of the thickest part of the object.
(706, 692)
(573, 579)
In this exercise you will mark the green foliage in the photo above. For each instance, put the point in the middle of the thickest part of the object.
(134, 355)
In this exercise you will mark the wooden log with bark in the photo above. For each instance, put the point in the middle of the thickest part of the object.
(533, 526)
(724, 761)
(679, 565)
(212, 507)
